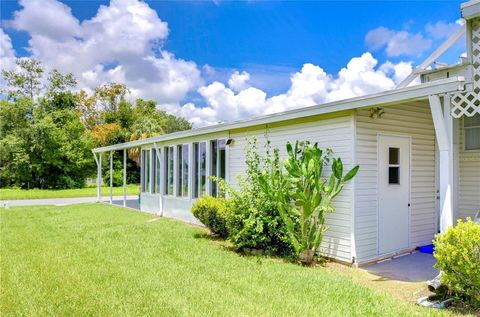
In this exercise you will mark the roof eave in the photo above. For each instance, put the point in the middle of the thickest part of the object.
(385, 98)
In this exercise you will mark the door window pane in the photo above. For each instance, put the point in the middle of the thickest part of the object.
(393, 154)
(393, 175)
(393, 165)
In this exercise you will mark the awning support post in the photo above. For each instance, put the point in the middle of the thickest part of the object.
(98, 160)
(124, 177)
(111, 177)
(443, 123)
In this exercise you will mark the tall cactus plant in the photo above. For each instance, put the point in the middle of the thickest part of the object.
(303, 195)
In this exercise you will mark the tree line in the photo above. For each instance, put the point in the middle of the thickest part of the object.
(48, 129)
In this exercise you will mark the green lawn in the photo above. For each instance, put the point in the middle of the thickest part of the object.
(100, 260)
(13, 194)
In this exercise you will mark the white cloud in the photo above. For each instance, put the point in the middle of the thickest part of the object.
(239, 81)
(443, 30)
(397, 43)
(48, 18)
(122, 43)
(7, 54)
(310, 86)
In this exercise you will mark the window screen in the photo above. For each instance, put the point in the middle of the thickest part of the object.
(472, 132)
(393, 166)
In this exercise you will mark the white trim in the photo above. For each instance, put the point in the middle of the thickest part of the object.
(411, 93)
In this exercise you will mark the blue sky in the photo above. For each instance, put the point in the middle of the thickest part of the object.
(207, 42)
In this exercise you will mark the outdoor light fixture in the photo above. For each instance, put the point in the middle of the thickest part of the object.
(229, 141)
(376, 112)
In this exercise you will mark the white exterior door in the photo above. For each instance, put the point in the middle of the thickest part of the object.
(393, 193)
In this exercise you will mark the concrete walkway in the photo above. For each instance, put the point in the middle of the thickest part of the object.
(132, 201)
(415, 267)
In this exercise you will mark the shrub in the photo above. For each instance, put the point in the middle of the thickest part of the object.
(458, 254)
(253, 220)
(211, 212)
(117, 179)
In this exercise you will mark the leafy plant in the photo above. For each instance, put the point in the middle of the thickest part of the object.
(458, 257)
(253, 219)
(302, 193)
(211, 212)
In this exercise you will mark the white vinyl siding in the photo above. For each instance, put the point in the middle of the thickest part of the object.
(413, 120)
(468, 201)
(332, 132)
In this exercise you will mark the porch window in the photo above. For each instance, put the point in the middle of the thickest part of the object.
(199, 169)
(158, 170)
(182, 170)
(472, 132)
(218, 163)
(393, 165)
(169, 170)
(146, 185)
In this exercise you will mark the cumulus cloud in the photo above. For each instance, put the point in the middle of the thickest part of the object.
(7, 54)
(309, 86)
(239, 81)
(122, 43)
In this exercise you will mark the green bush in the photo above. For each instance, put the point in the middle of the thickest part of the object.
(117, 179)
(458, 256)
(253, 220)
(211, 212)
(256, 224)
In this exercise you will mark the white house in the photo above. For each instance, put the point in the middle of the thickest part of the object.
(418, 147)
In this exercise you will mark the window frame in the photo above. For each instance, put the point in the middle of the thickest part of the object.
(464, 135)
(397, 165)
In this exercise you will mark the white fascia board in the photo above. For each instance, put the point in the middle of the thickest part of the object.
(385, 98)
(470, 9)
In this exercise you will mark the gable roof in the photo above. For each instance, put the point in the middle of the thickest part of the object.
(395, 96)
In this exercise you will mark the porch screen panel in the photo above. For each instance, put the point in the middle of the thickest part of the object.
(213, 157)
(185, 174)
(158, 171)
(169, 161)
(196, 176)
(146, 169)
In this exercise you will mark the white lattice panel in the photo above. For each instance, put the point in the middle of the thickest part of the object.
(468, 103)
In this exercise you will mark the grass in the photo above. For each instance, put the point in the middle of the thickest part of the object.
(100, 260)
(14, 194)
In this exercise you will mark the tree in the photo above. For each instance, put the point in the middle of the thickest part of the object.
(26, 82)
(58, 82)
